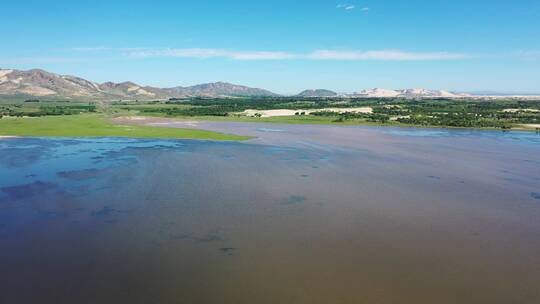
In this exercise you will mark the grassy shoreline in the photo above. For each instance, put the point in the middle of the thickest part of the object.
(95, 125)
(98, 125)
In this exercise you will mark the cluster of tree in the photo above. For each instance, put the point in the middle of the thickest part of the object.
(270, 103)
(432, 112)
(389, 106)
(64, 110)
(217, 110)
(455, 120)
(393, 110)
(20, 111)
(341, 117)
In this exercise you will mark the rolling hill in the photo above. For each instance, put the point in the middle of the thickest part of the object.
(45, 85)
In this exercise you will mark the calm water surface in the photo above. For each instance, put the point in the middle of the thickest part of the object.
(302, 214)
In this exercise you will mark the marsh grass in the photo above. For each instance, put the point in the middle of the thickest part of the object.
(98, 126)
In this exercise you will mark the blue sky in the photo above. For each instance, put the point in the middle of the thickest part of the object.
(284, 46)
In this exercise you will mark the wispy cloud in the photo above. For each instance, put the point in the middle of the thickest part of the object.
(346, 7)
(531, 55)
(350, 7)
(388, 55)
(40, 60)
(212, 53)
(90, 49)
(104, 49)
(353, 55)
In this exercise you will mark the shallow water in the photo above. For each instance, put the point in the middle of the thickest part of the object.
(309, 214)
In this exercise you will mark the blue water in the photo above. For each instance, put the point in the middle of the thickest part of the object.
(298, 219)
(269, 130)
(514, 136)
(40, 158)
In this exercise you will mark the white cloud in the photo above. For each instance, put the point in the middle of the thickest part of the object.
(103, 49)
(40, 60)
(346, 7)
(388, 55)
(91, 49)
(364, 9)
(353, 55)
(213, 53)
(528, 55)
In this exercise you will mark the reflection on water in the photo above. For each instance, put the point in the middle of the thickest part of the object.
(270, 130)
(381, 218)
(418, 133)
(516, 136)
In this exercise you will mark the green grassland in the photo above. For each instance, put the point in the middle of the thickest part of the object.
(96, 125)
(445, 113)
(78, 118)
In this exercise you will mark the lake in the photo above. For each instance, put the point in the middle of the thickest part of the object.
(301, 214)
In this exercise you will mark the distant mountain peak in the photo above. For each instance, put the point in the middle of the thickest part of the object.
(220, 88)
(317, 93)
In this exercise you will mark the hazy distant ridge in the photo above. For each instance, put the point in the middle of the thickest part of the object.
(317, 93)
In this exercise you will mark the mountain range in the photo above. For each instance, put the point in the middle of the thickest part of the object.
(41, 84)
(317, 93)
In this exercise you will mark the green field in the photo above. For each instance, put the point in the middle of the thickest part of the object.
(95, 125)
(502, 114)
(447, 113)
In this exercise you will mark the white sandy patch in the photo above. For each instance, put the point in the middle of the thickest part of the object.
(286, 112)
(533, 126)
(176, 124)
(520, 110)
(136, 118)
(158, 122)
(6, 137)
(395, 118)
(365, 110)
(183, 123)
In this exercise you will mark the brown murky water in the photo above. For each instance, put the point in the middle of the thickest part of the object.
(303, 214)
